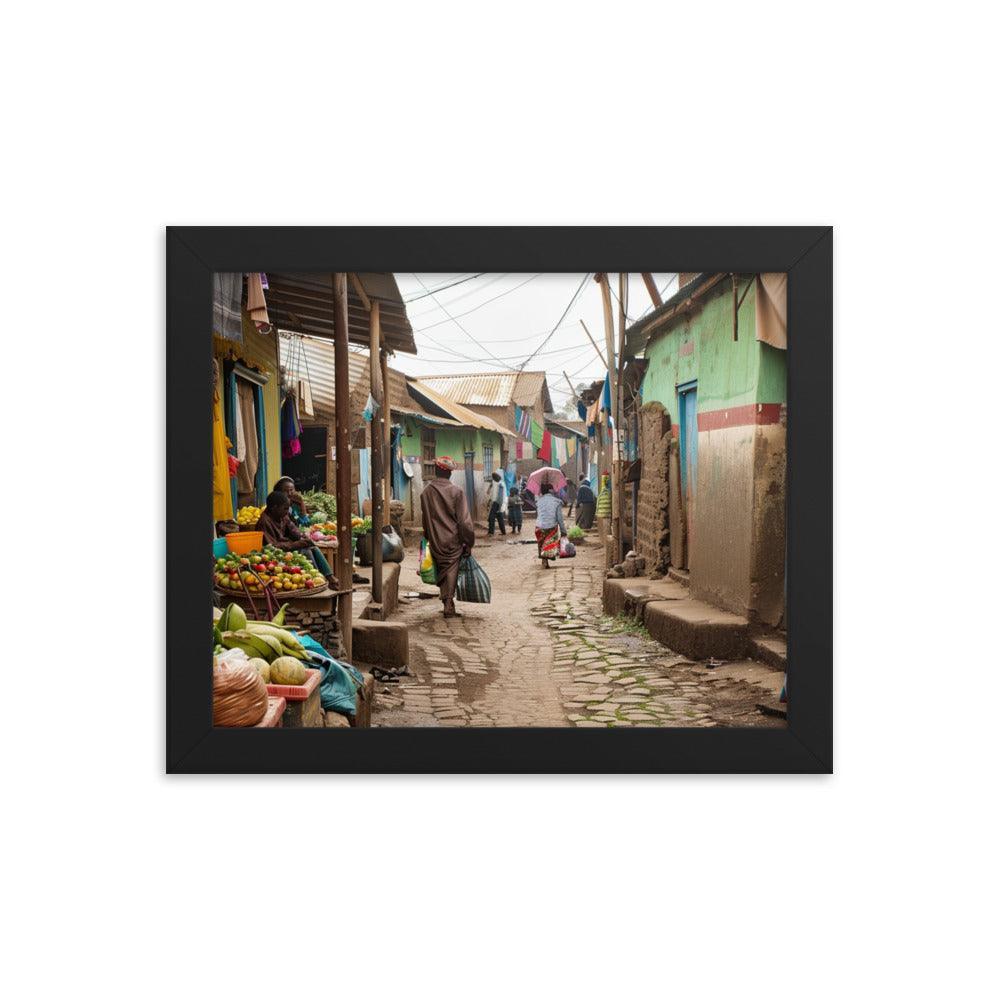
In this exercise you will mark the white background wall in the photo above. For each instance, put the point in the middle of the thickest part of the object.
(878, 881)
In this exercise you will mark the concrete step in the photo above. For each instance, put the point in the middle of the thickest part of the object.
(771, 650)
(697, 629)
(623, 593)
(679, 575)
(382, 644)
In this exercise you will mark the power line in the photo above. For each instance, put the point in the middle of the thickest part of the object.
(572, 302)
(464, 295)
(441, 288)
(481, 304)
(462, 328)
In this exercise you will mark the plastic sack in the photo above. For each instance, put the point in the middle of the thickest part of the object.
(239, 694)
(427, 572)
(392, 546)
(566, 548)
(473, 583)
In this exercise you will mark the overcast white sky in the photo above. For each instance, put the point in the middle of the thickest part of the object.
(500, 319)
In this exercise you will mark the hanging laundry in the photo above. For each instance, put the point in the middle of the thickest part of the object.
(545, 451)
(247, 474)
(241, 441)
(256, 306)
(519, 449)
(291, 429)
(222, 497)
(537, 434)
(522, 420)
(227, 293)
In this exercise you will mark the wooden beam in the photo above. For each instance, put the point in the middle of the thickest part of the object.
(618, 490)
(387, 424)
(604, 360)
(376, 435)
(576, 398)
(360, 291)
(342, 393)
(654, 293)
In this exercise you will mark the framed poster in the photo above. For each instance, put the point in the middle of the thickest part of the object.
(649, 591)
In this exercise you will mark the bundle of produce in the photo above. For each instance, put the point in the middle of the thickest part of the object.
(322, 503)
(269, 567)
(265, 641)
(576, 534)
(247, 517)
(361, 525)
(239, 693)
(325, 531)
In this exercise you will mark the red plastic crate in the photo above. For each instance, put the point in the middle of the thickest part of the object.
(272, 717)
(297, 692)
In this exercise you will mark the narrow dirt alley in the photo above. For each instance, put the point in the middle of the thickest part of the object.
(543, 654)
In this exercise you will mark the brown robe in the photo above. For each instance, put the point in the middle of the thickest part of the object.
(281, 534)
(448, 528)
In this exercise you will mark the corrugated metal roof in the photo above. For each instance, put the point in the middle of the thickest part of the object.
(313, 356)
(456, 411)
(491, 388)
(302, 302)
(529, 385)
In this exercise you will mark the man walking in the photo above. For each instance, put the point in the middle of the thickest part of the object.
(497, 498)
(448, 528)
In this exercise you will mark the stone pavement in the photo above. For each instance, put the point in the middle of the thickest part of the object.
(543, 654)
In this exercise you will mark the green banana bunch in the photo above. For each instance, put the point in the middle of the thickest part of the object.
(264, 646)
(288, 641)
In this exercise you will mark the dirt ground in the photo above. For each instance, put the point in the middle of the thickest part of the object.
(543, 654)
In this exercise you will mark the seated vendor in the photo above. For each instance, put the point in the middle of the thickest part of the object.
(299, 511)
(281, 531)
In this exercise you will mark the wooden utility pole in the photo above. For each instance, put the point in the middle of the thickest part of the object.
(387, 427)
(620, 421)
(594, 342)
(377, 437)
(652, 289)
(576, 398)
(342, 399)
(609, 339)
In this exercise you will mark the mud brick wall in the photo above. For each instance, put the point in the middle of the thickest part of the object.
(654, 444)
(322, 625)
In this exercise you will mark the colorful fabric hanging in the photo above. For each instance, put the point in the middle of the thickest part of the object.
(227, 294)
(545, 451)
(256, 306)
(519, 449)
(537, 434)
(222, 496)
(522, 420)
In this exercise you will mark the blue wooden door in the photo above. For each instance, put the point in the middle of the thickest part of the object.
(687, 399)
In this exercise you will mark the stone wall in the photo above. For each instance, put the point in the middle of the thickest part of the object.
(654, 443)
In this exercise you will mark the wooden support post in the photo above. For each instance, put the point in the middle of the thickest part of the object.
(387, 425)
(576, 398)
(609, 338)
(342, 392)
(620, 422)
(377, 438)
(604, 360)
(654, 293)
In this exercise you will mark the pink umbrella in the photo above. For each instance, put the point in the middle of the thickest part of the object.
(547, 475)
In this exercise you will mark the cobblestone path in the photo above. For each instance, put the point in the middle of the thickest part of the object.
(542, 654)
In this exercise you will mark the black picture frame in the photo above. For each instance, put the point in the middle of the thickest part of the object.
(805, 252)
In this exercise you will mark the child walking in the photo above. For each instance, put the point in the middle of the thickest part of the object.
(514, 505)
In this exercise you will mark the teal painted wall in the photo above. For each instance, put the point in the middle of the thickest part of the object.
(729, 373)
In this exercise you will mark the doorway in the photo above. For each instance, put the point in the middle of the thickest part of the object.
(687, 407)
(470, 482)
(308, 468)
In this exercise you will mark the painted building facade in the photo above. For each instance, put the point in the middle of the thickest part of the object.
(717, 407)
